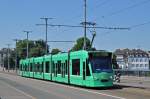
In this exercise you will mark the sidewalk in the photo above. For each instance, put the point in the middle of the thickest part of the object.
(133, 81)
(13, 72)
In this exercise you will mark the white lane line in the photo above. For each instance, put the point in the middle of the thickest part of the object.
(90, 91)
(113, 96)
(20, 91)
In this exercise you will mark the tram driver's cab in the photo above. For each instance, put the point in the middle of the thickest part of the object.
(101, 65)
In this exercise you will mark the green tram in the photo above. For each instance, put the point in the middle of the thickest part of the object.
(83, 68)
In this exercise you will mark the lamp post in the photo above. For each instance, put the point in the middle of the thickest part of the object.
(27, 56)
(46, 24)
(16, 40)
(8, 56)
(84, 46)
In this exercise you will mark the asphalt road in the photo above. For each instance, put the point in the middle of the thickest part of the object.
(16, 87)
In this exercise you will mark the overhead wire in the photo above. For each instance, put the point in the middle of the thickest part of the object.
(138, 25)
(102, 3)
(124, 9)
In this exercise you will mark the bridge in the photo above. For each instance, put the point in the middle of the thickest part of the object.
(16, 87)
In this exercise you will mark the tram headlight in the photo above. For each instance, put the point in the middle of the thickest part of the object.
(111, 77)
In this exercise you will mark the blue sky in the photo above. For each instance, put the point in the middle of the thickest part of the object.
(19, 15)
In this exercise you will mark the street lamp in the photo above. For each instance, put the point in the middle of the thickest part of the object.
(27, 43)
(16, 40)
(46, 24)
(8, 56)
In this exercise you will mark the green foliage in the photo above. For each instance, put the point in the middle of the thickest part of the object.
(79, 44)
(36, 48)
(11, 59)
(55, 51)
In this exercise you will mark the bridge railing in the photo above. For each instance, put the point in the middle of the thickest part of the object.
(139, 73)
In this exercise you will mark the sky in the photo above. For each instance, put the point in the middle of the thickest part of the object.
(19, 15)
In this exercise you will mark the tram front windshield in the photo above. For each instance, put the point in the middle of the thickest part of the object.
(101, 64)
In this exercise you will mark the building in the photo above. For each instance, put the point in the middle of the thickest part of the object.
(121, 62)
(3, 54)
(134, 59)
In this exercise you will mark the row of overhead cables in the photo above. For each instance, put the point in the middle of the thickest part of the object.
(81, 26)
(131, 27)
(101, 3)
(98, 5)
(127, 8)
(61, 41)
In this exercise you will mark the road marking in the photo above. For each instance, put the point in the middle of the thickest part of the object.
(20, 91)
(94, 92)
(90, 91)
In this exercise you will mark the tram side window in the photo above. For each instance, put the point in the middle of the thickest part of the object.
(87, 69)
(47, 67)
(42, 67)
(76, 67)
(38, 67)
(35, 66)
(59, 67)
(56, 69)
(66, 67)
(22, 67)
(53, 67)
(31, 67)
(25, 67)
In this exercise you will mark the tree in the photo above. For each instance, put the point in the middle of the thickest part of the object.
(11, 58)
(55, 51)
(79, 44)
(36, 48)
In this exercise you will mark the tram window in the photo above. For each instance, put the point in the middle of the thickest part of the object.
(66, 67)
(62, 69)
(59, 67)
(38, 67)
(35, 66)
(87, 69)
(25, 67)
(28, 67)
(47, 67)
(31, 67)
(56, 69)
(42, 67)
(53, 67)
(76, 67)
